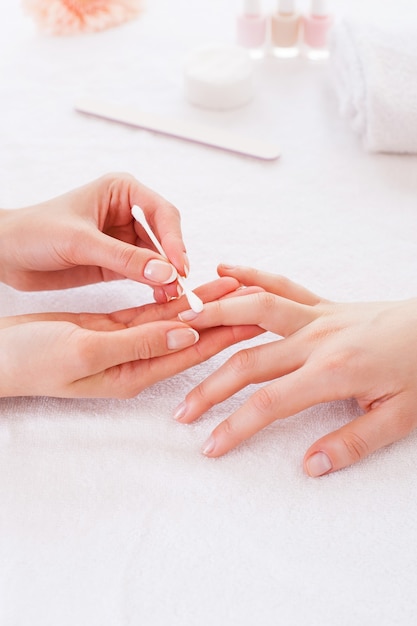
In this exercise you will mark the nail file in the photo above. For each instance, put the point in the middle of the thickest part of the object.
(193, 300)
(190, 131)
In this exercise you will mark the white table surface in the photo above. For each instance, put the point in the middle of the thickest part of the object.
(109, 515)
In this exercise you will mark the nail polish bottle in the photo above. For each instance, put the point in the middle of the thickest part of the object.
(316, 29)
(285, 29)
(251, 28)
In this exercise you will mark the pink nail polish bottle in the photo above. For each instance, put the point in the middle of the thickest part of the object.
(251, 28)
(316, 28)
(285, 29)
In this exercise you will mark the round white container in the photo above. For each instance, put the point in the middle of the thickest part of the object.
(219, 76)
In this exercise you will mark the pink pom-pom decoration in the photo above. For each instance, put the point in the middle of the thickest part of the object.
(68, 17)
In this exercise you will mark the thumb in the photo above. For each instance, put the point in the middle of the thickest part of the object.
(125, 259)
(354, 441)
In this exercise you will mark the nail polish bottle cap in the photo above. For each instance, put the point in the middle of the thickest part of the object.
(252, 7)
(319, 7)
(286, 7)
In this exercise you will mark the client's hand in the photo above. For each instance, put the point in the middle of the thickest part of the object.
(113, 355)
(330, 351)
(88, 235)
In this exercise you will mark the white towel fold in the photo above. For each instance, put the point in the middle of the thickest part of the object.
(376, 80)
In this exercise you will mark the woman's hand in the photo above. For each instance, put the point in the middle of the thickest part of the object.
(330, 351)
(113, 355)
(88, 235)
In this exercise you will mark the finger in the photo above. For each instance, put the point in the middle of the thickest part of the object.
(244, 291)
(380, 427)
(124, 259)
(274, 283)
(170, 310)
(130, 317)
(165, 220)
(287, 396)
(248, 366)
(264, 309)
(100, 350)
(129, 379)
(160, 295)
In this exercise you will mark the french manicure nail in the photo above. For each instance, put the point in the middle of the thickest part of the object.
(209, 445)
(180, 411)
(160, 271)
(186, 266)
(187, 316)
(318, 464)
(181, 338)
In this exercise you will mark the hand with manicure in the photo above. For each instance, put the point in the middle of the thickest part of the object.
(327, 351)
(89, 235)
(107, 355)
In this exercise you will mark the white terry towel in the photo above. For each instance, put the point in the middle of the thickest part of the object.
(376, 81)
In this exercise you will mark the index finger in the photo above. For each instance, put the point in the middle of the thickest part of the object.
(165, 220)
(263, 309)
(274, 283)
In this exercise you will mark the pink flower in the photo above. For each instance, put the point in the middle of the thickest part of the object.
(67, 17)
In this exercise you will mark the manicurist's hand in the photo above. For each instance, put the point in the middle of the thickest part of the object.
(114, 355)
(329, 351)
(88, 235)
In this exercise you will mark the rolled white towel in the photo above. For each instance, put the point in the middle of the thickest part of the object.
(376, 80)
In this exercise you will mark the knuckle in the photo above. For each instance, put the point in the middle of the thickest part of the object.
(230, 431)
(267, 300)
(202, 396)
(172, 210)
(355, 446)
(128, 256)
(264, 400)
(282, 283)
(115, 178)
(318, 331)
(242, 361)
(122, 381)
(144, 348)
(339, 363)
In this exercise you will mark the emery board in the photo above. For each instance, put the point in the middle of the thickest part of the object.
(190, 131)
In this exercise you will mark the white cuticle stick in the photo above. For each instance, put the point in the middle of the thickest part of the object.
(193, 300)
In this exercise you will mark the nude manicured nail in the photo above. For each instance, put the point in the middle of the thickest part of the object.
(180, 411)
(187, 316)
(318, 464)
(181, 338)
(186, 266)
(209, 445)
(160, 271)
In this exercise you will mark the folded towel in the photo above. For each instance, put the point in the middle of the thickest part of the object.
(376, 80)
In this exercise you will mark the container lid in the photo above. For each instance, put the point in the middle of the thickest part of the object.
(219, 76)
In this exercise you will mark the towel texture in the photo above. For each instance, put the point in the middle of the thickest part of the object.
(109, 514)
(375, 72)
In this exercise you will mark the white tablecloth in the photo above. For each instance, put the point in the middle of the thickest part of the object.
(109, 514)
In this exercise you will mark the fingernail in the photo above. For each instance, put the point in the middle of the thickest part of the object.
(180, 411)
(209, 445)
(227, 266)
(181, 338)
(186, 266)
(160, 271)
(187, 316)
(318, 464)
